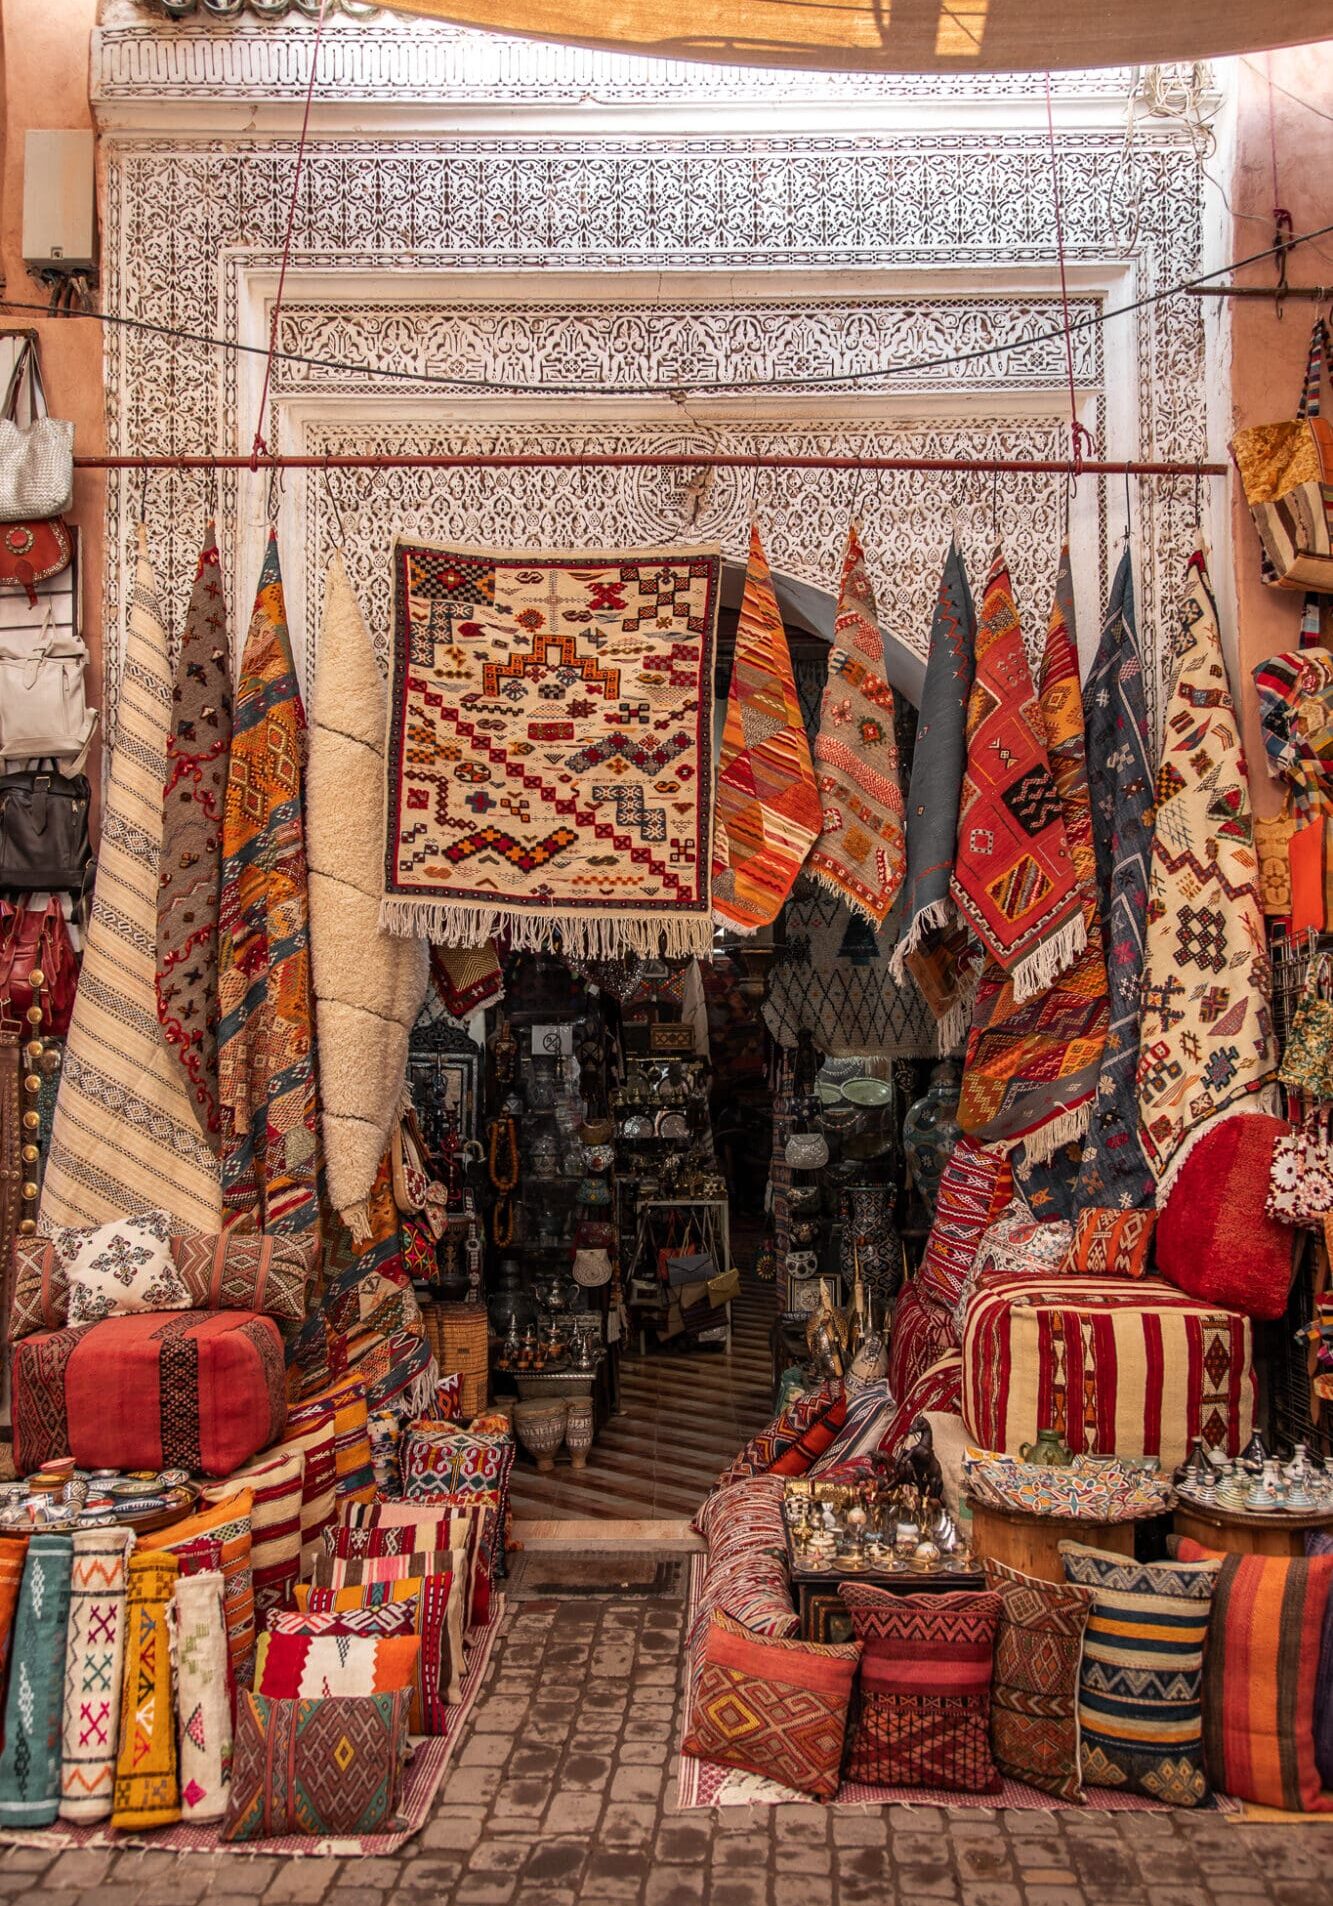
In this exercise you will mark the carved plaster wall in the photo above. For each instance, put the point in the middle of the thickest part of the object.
(646, 261)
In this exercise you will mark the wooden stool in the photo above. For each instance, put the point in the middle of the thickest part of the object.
(1247, 1535)
(1031, 1544)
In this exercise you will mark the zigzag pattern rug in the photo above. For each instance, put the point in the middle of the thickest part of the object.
(550, 760)
(833, 977)
(1206, 1039)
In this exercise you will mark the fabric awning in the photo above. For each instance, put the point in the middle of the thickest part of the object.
(902, 36)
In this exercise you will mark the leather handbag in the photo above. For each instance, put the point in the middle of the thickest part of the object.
(592, 1269)
(44, 831)
(35, 938)
(1300, 1186)
(32, 552)
(42, 708)
(1286, 470)
(36, 458)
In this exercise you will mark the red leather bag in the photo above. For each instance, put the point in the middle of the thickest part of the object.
(36, 936)
(30, 552)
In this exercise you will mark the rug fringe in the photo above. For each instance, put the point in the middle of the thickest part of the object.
(357, 1219)
(831, 885)
(933, 918)
(1263, 1099)
(588, 936)
(951, 1031)
(1042, 1145)
(1044, 965)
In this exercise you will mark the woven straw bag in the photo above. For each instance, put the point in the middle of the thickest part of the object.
(1287, 473)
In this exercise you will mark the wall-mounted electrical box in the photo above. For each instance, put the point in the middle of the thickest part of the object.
(59, 202)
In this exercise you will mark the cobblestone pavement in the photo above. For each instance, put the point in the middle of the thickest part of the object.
(562, 1791)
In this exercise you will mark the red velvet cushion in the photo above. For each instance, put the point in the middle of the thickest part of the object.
(188, 1389)
(1214, 1239)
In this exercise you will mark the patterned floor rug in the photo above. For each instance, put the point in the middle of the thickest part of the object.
(421, 1784)
(706, 1783)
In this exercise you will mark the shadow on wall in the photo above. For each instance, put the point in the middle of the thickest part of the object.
(810, 611)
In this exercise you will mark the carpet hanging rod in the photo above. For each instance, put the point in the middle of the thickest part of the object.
(653, 460)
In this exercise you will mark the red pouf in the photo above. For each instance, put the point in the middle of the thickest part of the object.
(187, 1389)
(1215, 1240)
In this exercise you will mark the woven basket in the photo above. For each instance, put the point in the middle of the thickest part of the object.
(460, 1337)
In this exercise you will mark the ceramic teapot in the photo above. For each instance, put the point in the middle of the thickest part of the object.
(1049, 1450)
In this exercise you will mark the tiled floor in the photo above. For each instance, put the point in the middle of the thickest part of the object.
(683, 1417)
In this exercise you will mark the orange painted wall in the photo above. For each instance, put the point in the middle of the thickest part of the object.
(1268, 354)
(44, 53)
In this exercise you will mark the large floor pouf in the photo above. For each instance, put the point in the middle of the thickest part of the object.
(1117, 1366)
(188, 1389)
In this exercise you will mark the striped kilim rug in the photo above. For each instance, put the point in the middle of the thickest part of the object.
(126, 1137)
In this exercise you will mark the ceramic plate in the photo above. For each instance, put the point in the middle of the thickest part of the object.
(867, 1091)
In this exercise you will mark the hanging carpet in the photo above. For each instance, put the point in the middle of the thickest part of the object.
(1206, 1041)
(860, 853)
(1120, 779)
(191, 861)
(1013, 879)
(832, 977)
(466, 978)
(768, 814)
(125, 1137)
(931, 942)
(1032, 1065)
(550, 748)
(369, 984)
(266, 1071)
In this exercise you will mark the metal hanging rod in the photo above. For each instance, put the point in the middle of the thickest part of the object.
(653, 460)
(1314, 294)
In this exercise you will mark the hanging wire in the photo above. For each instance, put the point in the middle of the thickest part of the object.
(143, 496)
(333, 505)
(1077, 434)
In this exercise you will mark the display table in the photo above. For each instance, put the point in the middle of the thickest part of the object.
(823, 1612)
(1031, 1543)
(1247, 1534)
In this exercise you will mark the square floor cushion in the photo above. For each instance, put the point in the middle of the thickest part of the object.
(1215, 1239)
(188, 1389)
(1034, 1693)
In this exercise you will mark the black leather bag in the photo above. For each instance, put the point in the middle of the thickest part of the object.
(44, 831)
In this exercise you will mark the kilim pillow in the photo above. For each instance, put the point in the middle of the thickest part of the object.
(227, 1523)
(314, 1768)
(354, 1475)
(1318, 1543)
(939, 1388)
(392, 1618)
(449, 1466)
(385, 1433)
(813, 1442)
(437, 1613)
(923, 1716)
(1140, 1688)
(120, 1267)
(1016, 1245)
(763, 1450)
(1260, 1677)
(274, 1481)
(319, 1504)
(862, 1427)
(1201, 1247)
(1110, 1243)
(975, 1186)
(746, 1571)
(773, 1708)
(400, 1528)
(448, 1404)
(312, 1667)
(1034, 1694)
(923, 1332)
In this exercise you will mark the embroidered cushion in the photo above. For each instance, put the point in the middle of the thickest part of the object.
(1035, 1690)
(1110, 1243)
(763, 1450)
(275, 1482)
(1261, 1675)
(453, 1466)
(188, 1389)
(1016, 1245)
(1118, 1368)
(1317, 1543)
(400, 1528)
(433, 1591)
(312, 1667)
(1201, 1247)
(354, 1475)
(391, 1618)
(228, 1524)
(314, 1768)
(269, 1274)
(1140, 1689)
(746, 1571)
(314, 1439)
(773, 1708)
(923, 1716)
(923, 1332)
(976, 1184)
(119, 1268)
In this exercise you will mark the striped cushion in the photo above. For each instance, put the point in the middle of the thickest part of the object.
(763, 1450)
(1318, 1542)
(975, 1186)
(1261, 1675)
(814, 1441)
(228, 1524)
(863, 1425)
(939, 1388)
(314, 1440)
(354, 1474)
(275, 1482)
(398, 1528)
(746, 1572)
(1140, 1691)
(435, 1592)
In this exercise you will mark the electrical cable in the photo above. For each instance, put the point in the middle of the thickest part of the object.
(503, 387)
